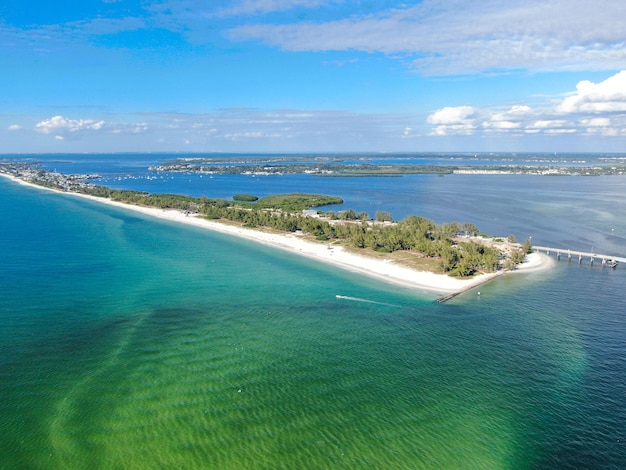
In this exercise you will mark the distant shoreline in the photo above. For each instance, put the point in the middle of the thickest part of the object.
(335, 255)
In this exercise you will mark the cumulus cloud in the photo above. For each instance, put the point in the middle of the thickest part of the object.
(506, 121)
(14, 127)
(62, 127)
(451, 115)
(444, 37)
(453, 120)
(605, 97)
(593, 109)
(502, 125)
(60, 124)
(548, 124)
(596, 122)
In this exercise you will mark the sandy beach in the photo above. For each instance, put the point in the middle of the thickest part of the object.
(325, 252)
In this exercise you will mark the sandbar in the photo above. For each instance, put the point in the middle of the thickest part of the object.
(333, 254)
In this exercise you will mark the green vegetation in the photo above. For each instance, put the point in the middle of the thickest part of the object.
(449, 246)
(297, 202)
(245, 198)
(383, 216)
(419, 236)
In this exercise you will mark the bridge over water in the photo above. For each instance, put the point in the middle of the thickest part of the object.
(606, 260)
(580, 255)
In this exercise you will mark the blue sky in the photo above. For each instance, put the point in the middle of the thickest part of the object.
(312, 75)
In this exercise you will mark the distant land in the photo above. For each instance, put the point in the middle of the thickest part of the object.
(336, 165)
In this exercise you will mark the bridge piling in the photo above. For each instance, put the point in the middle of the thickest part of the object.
(605, 260)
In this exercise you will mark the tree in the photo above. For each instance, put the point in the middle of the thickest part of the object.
(462, 269)
(383, 216)
(470, 229)
(348, 214)
(449, 259)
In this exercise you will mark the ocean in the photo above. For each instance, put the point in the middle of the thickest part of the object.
(130, 342)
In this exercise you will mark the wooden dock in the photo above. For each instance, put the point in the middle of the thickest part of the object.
(579, 255)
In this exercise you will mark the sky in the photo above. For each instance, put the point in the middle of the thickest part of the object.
(312, 76)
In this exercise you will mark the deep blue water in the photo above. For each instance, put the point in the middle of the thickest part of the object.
(132, 342)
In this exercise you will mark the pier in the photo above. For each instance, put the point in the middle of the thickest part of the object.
(580, 255)
(606, 260)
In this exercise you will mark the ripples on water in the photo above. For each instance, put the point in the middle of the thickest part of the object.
(134, 343)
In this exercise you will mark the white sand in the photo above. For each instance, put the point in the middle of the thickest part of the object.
(325, 252)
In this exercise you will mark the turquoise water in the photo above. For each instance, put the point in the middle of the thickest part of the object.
(128, 342)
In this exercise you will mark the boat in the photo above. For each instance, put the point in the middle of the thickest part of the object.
(611, 263)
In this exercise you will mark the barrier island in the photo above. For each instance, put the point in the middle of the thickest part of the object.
(415, 252)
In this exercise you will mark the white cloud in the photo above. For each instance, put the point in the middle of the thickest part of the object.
(502, 125)
(446, 37)
(511, 119)
(593, 109)
(14, 127)
(548, 124)
(451, 115)
(596, 122)
(453, 120)
(561, 131)
(515, 112)
(62, 127)
(62, 124)
(604, 126)
(604, 97)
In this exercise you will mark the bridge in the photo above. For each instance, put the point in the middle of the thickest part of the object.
(604, 259)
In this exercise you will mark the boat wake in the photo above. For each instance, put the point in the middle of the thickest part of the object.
(357, 299)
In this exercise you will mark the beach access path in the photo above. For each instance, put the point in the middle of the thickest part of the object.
(336, 255)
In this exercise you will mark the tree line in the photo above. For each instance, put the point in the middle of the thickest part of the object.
(448, 243)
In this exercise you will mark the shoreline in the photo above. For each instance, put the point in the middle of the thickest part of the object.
(383, 270)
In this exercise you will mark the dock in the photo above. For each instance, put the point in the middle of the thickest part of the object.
(580, 255)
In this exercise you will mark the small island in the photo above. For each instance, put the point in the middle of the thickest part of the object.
(414, 251)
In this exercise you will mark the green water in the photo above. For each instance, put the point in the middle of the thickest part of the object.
(133, 343)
